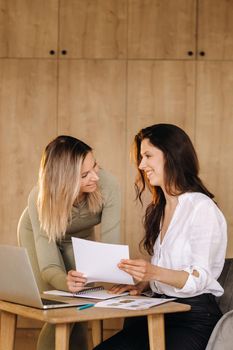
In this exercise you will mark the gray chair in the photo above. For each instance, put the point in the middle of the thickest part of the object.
(222, 335)
(226, 280)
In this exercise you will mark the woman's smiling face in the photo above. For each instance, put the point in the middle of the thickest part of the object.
(152, 163)
(89, 174)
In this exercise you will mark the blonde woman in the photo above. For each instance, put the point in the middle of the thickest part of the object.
(72, 196)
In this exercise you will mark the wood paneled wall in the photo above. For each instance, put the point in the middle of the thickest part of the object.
(100, 70)
(96, 29)
(158, 91)
(28, 28)
(28, 112)
(214, 131)
(161, 29)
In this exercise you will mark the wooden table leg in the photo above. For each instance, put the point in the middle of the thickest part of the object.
(156, 331)
(8, 325)
(62, 336)
(97, 332)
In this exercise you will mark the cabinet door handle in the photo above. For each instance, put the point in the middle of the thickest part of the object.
(52, 52)
(64, 52)
(202, 53)
(190, 53)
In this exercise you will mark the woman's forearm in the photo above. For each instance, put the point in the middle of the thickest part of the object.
(142, 270)
(173, 278)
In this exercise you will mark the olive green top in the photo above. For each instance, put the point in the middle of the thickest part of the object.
(56, 258)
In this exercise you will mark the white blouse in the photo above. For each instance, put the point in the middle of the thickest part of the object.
(196, 239)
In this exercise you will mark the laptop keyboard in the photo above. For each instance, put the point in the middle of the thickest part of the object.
(51, 302)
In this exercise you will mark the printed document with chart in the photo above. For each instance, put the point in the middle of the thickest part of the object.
(98, 261)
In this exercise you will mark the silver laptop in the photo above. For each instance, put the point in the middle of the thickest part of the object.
(17, 281)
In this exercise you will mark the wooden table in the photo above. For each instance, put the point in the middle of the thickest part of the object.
(62, 318)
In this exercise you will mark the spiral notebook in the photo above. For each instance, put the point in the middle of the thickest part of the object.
(92, 293)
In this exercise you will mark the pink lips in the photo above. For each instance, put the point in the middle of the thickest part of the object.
(92, 185)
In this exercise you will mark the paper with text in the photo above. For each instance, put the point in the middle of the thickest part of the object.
(98, 261)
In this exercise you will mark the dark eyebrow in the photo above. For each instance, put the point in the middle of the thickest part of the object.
(146, 152)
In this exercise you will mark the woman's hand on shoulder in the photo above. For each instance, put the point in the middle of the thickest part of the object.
(132, 289)
(75, 281)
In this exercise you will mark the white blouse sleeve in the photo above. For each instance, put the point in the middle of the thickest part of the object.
(208, 235)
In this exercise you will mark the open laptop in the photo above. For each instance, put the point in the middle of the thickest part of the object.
(17, 281)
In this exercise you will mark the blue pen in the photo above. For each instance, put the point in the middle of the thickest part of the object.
(86, 306)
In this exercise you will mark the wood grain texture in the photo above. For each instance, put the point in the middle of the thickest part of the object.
(26, 338)
(215, 29)
(97, 332)
(92, 107)
(161, 28)
(27, 123)
(105, 102)
(62, 318)
(62, 335)
(29, 336)
(70, 315)
(214, 130)
(158, 92)
(92, 97)
(28, 28)
(156, 326)
(93, 29)
(8, 323)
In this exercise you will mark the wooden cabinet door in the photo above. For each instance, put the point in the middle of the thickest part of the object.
(158, 92)
(28, 28)
(91, 107)
(27, 124)
(214, 131)
(161, 29)
(215, 29)
(93, 29)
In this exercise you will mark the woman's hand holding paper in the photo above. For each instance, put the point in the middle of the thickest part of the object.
(75, 281)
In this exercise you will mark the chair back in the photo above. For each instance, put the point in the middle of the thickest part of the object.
(225, 302)
(221, 337)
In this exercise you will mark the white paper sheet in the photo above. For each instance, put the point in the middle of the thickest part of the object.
(130, 303)
(98, 261)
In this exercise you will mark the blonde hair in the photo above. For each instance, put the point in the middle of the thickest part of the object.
(59, 185)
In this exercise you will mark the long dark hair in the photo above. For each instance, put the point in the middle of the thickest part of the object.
(181, 170)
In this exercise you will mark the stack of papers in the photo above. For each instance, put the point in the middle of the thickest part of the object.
(133, 303)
